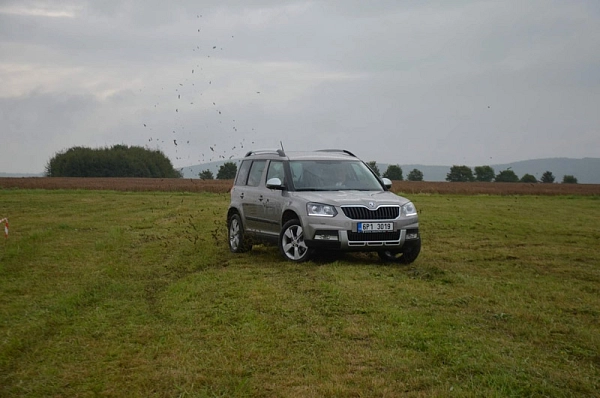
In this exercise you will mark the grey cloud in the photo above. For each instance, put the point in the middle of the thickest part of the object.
(38, 125)
(437, 82)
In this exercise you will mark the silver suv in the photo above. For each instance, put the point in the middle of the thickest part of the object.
(321, 200)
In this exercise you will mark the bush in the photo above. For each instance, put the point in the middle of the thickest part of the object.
(227, 171)
(528, 178)
(484, 173)
(460, 174)
(415, 175)
(206, 175)
(548, 177)
(116, 161)
(507, 176)
(394, 172)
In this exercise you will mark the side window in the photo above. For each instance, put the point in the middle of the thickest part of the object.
(275, 170)
(256, 171)
(243, 173)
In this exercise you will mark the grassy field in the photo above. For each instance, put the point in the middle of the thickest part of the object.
(106, 293)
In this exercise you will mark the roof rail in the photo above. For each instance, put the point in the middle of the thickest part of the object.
(266, 152)
(338, 150)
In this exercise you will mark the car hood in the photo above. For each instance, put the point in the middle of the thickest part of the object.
(349, 198)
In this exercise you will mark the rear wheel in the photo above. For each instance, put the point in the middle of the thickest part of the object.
(291, 242)
(237, 240)
(407, 255)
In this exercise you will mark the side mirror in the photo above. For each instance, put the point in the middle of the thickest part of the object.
(387, 183)
(275, 183)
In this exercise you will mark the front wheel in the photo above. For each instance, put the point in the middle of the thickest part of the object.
(237, 240)
(407, 254)
(291, 242)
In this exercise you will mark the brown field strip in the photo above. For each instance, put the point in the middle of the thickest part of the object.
(223, 186)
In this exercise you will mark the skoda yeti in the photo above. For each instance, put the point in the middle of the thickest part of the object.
(321, 200)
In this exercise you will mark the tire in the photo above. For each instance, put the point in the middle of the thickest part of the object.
(291, 242)
(237, 240)
(407, 255)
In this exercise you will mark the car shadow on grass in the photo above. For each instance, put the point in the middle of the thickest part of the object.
(353, 258)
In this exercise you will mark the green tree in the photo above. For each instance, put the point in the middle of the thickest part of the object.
(547, 177)
(460, 174)
(206, 175)
(227, 171)
(415, 175)
(528, 178)
(484, 173)
(373, 165)
(507, 176)
(569, 179)
(115, 161)
(394, 172)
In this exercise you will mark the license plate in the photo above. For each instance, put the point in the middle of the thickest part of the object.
(375, 226)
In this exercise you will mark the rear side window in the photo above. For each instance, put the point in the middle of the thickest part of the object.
(242, 176)
(256, 171)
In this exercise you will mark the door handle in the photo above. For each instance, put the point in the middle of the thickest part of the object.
(260, 198)
(242, 195)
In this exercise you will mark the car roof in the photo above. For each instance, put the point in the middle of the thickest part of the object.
(323, 154)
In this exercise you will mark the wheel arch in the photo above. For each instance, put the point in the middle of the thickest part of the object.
(232, 211)
(287, 216)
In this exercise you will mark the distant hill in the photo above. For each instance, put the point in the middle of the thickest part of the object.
(586, 170)
(13, 175)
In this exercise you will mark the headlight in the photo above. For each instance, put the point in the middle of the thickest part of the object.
(409, 210)
(321, 210)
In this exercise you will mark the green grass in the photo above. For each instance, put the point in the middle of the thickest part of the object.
(136, 294)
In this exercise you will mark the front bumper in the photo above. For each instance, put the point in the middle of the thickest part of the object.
(331, 234)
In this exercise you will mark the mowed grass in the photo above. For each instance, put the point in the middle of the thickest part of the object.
(136, 294)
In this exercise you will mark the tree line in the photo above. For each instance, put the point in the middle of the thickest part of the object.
(227, 171)
(135, 161)
(487, 174)
(466, 174)
(115, 161)
(394, 172)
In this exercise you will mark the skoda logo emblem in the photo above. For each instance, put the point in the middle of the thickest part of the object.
(372, 205)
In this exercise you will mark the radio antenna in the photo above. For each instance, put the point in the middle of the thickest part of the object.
(281, 152)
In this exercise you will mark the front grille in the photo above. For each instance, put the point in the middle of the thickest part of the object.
(373, 236)
(364, 213)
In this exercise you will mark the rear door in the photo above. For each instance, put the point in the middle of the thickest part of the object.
(252, 195)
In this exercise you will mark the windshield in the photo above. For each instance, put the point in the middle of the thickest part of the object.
(333, 175)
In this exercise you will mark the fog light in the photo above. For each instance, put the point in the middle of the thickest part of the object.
(412, 236)
(326, 235)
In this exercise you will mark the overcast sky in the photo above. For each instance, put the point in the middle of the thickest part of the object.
(407, 82)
